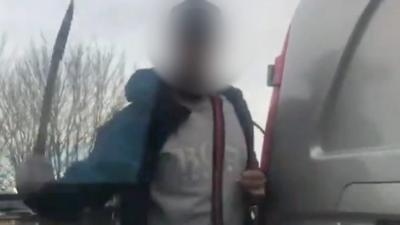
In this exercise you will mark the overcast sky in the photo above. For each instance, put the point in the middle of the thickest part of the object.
(262, 25)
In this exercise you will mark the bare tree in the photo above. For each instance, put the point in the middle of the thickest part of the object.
(2, 71)
(6, 173)
(88, 89)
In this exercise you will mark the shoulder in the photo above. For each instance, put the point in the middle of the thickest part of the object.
(128, 119)
(235, 96)
(142, 85)
(121, 116)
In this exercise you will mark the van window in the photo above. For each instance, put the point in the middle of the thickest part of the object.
(366, 114)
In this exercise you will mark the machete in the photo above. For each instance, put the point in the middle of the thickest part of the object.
(58, 53)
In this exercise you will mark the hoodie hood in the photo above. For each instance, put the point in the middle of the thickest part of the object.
(143, 86)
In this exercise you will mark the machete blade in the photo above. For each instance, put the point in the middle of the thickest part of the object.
(58, 53)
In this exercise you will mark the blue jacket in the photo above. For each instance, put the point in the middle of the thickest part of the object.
(126, 152)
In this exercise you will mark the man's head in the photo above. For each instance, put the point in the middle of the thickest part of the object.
(194, 31)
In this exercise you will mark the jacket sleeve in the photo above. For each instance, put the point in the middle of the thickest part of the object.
(112, 166)
(66, 200)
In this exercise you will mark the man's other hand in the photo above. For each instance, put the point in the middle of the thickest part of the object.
(253, 182)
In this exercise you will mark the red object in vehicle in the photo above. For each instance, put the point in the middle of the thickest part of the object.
(275, 81)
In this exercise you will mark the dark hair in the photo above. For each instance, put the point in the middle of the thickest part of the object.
(196, 20)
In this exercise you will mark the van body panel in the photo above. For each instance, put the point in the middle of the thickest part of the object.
(346, 159)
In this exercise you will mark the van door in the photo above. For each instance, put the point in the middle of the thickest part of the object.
(336, 140)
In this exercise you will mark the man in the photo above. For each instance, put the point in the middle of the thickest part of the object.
(179, 154)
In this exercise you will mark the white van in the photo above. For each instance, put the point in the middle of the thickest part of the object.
(333, 149)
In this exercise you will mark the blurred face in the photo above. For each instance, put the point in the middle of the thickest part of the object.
(187, 63)
(192, 35)
(193, 51)
(191, 60)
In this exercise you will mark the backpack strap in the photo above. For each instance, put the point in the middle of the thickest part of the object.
(218, 161)
(235, 97)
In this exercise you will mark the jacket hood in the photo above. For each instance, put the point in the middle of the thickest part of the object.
(142, 86)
